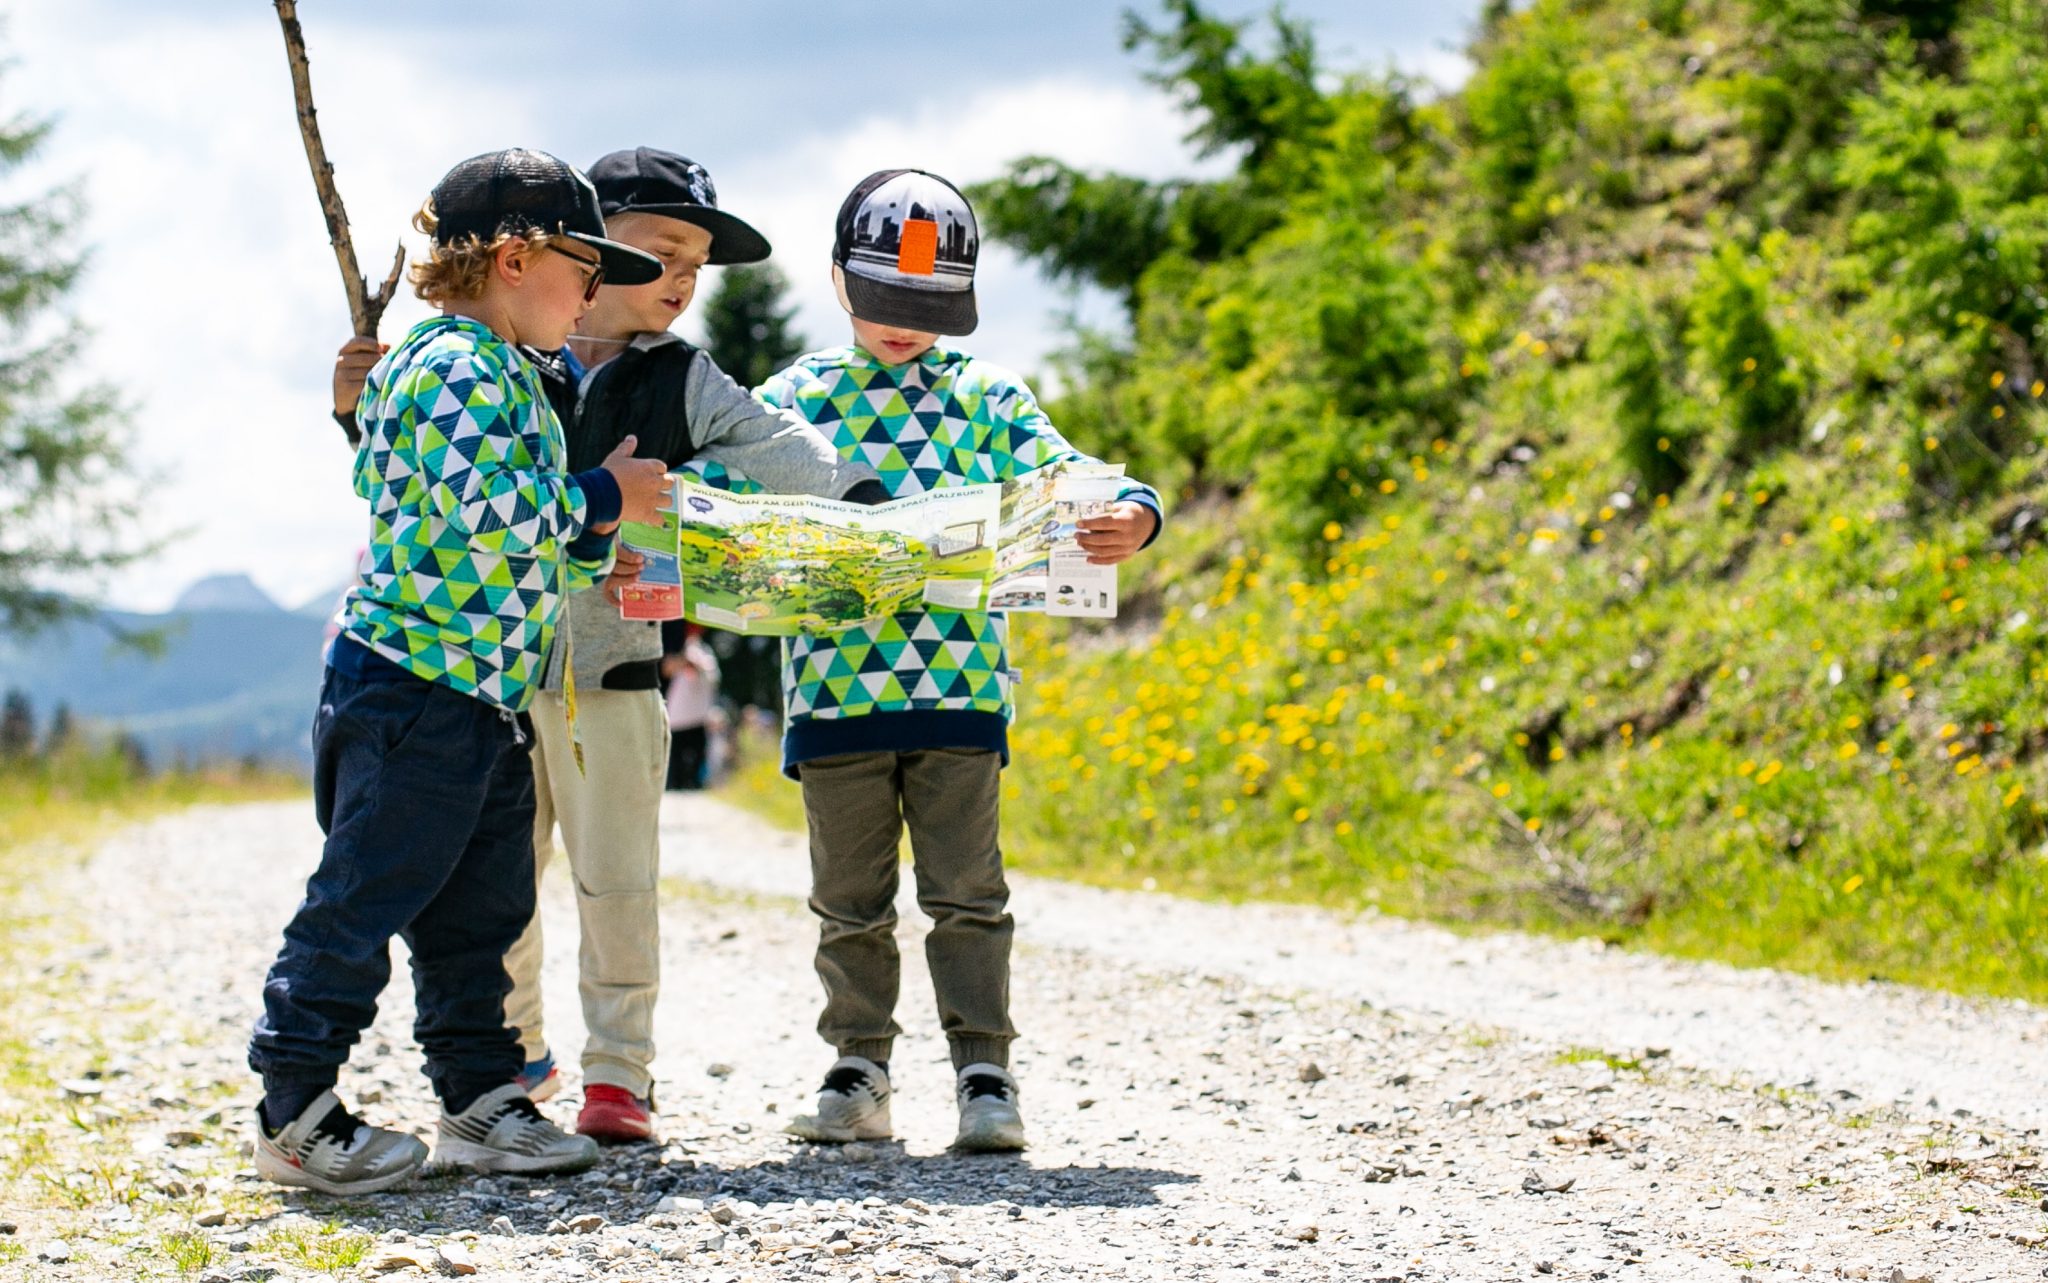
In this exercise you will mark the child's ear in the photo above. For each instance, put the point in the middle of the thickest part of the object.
(511, 261)
(839, 288)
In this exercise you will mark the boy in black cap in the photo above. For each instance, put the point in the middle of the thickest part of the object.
(918, 736)
(624, 375)
(422, 779)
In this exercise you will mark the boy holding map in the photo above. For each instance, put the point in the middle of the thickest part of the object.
(904, 721)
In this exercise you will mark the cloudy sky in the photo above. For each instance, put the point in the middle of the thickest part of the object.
(214, 299)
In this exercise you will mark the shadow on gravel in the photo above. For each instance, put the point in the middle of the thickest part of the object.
(443, 1200)
(961, 1179)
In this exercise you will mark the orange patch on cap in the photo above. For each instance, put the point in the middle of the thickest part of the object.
(917, 252)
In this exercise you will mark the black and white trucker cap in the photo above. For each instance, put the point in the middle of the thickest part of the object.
(906, 242)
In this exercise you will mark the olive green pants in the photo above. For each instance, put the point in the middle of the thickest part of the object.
(858, 805)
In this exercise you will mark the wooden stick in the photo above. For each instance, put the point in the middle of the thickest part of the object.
(364, 308)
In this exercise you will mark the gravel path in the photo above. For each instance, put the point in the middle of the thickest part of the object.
(1213, 1093)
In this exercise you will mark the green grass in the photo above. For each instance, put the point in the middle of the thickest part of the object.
(55, 1153)
(190, 1252)
(328, 1246)
(1592, 1055)
(57, 802)
(1816, 749)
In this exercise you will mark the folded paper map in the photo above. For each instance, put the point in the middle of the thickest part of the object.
(783, 564)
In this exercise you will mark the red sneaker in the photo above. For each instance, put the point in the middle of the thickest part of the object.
(615, 1116)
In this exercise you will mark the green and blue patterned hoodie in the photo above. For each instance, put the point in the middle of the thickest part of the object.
(922, 678)
(475, 530)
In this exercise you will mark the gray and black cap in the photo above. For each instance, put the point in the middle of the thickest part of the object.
(906, 242)
(516, 190)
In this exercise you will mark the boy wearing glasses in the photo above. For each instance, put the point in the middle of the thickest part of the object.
(422, 779)
(623, 375)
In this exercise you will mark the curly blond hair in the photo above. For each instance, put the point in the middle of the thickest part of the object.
(456, 273)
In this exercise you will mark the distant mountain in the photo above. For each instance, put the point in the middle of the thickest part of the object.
(225, 592)
(322, 605)
(231, 680)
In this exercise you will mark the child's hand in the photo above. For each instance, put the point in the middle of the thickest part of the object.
(1117, 534)
(643, 483)
(625, 569)
(352, 370)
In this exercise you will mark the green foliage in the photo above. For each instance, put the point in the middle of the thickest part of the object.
(1922, 19)
(1110, 229)
(747, 323)
(1612, 494)
(63, 515)
(1740, 355)
(1101, 229)
(1265, 105)
(1653, 439)
(1522, 113)
(1320, 371)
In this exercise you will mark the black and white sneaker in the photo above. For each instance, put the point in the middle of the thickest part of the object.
(330, 1150)
(503, 1131)
(852, 1105)
(989, 1119)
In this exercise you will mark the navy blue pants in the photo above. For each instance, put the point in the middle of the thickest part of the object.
(426, 797)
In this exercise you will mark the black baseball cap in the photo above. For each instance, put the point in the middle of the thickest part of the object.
(517, 190)
(905, 243)
(646, 180)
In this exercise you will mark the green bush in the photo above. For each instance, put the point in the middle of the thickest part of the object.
(1522, 116)
(1654, 439)
(1739, 353)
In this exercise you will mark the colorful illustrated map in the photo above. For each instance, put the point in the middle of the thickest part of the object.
(783, 564)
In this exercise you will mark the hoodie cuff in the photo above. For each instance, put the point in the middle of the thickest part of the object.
(601, 496)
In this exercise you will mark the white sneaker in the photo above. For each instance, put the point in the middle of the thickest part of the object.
(852, 1105)
(988, 1109)
(328, 1149)
(503, 1131)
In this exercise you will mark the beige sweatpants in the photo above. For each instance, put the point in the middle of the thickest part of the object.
(609, 816)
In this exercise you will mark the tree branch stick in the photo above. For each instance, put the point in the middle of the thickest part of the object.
(365, 309)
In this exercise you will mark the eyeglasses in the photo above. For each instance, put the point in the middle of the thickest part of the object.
(596, 266)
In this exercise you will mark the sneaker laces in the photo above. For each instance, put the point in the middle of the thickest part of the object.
(845, 1079)
(975, 1086)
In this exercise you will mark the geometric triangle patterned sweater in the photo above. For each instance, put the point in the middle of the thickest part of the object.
(474, 528)
(926, 678)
